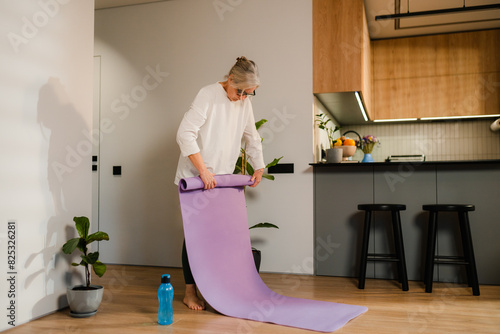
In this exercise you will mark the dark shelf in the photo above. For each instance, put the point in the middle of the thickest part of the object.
(413, 163)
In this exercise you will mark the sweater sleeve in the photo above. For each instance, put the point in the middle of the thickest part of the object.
(253, 143)
(193, 119)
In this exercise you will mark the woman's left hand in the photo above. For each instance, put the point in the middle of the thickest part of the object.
(256, 177)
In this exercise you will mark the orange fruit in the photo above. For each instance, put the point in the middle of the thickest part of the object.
(349, 142)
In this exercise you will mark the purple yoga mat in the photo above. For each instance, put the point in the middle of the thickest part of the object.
(220, 256)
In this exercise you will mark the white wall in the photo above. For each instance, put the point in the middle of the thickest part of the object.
(196, 42)
(45, 106)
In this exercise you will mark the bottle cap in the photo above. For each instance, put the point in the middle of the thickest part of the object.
(165, 278)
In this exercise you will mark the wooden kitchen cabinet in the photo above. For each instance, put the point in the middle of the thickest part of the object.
(440, 75)
(341, 48)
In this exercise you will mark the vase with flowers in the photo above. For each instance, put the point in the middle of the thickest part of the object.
(368, 143)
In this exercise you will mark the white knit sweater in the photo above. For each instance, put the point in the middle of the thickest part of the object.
(215, 127)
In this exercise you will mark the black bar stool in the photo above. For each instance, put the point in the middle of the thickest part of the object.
(467, 259)
(398, 257)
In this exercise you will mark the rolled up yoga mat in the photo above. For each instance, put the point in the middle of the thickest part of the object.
(219, 251)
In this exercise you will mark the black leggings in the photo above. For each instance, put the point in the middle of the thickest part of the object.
(188, 276)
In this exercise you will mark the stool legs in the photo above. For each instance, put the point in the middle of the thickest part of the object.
(399, 257)
(469, 252)
(468, 258)
(400, 252)
(364, 250)
(431, 249)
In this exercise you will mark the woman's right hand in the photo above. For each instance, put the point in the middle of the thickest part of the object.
(208, 179)
(206, 176)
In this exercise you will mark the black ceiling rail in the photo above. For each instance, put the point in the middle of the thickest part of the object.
(437, 12)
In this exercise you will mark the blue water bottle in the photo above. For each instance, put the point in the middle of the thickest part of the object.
(165, 298)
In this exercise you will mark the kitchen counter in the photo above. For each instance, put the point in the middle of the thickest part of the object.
(339, 188)
(392, 163)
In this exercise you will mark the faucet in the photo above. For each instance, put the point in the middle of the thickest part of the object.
(360, 145)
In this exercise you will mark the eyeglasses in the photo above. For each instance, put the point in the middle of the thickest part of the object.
(243, 93)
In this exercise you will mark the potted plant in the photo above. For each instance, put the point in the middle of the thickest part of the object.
(255, 252)
(85, 299)
(244, 167)
(323, 121)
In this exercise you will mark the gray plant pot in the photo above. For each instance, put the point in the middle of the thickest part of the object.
(256, 258)
(84, 302)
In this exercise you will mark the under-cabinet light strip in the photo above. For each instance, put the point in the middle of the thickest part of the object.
(457, 117)
(361, 106)
(395, 120)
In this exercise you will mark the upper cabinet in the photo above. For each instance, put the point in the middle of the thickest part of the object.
(440, 75)
(341, 51)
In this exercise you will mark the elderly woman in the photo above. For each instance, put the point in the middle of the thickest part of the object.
(210, 135)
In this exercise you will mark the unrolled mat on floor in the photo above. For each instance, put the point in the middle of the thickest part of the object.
(219, 251)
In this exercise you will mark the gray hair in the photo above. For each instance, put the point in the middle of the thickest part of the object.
(245, 73)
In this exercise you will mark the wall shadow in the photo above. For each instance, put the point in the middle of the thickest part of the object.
(63, 127)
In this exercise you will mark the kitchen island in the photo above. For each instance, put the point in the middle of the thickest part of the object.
(339, 188)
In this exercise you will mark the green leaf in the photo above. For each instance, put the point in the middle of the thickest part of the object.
(261, 225)
(70, 245)
(75, 264)
(237, 167)
(92, 257)
(82, 245)
(97, 236)
(82, 226)
(250, 169)
(99, 268)
(84, 261)
(260, 123)
(268, 176)
(274, 162)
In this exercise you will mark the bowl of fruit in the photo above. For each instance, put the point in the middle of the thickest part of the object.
(348, 146)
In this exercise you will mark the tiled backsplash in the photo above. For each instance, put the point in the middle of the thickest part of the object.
(438, 141)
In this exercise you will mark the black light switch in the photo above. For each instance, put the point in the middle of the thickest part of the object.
(117, 170)
(281, 169)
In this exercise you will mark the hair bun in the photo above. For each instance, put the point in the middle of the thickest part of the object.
(242, 58)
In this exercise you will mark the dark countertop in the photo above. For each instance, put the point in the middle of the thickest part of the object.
(416, 163)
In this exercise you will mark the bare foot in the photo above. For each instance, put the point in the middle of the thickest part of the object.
(191, 298)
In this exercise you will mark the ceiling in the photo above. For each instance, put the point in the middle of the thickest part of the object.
(415, 26)
(431, 24)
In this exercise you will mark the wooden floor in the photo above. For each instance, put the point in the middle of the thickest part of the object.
(130, 305)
